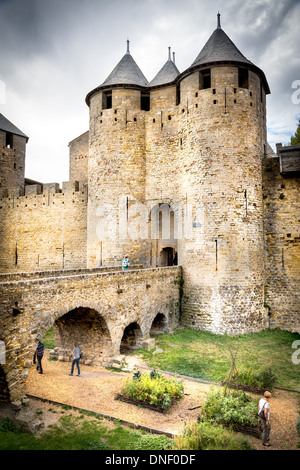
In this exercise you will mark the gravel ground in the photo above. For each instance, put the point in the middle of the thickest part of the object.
(95, 390)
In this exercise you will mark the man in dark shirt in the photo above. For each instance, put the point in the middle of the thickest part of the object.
(39, 356)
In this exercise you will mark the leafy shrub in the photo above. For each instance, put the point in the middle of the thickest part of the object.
(152, 443)
(153, 389)
(207, 436)
(232, 408)
(265, 378)
(6, 425)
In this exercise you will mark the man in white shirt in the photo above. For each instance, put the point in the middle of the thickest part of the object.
(76, 358)
(264, 406)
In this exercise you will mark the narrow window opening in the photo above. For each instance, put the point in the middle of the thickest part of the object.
(243, 78)
(15, 166)
(196, 95)
(234, 101)
(178, 94)
(134, 119)
(169, 117)
(107, 100)
(153, 120)
(9, 140)
(214, 91)
(204, 79)
(234, 90)
(145, 101)
(215, 101)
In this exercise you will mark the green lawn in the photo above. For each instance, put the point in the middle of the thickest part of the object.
(79, 433)
(206, 355)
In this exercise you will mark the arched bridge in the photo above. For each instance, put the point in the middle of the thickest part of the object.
(103, 310)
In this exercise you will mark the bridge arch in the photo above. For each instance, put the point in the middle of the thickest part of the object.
(89, 329)
(132, 338)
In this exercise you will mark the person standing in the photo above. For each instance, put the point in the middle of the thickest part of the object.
(264, 416)
(39, 353)
(125, 264)
(76, 359)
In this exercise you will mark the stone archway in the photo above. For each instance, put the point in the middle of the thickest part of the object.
(160, 325)
(132, 338)
(88, 328)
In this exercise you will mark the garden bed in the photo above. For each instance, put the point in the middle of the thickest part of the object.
(254, 431)
(133, 401)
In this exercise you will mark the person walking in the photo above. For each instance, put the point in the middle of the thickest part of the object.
(125, 264)
(39, 353)
(76, 359)
(264, 416)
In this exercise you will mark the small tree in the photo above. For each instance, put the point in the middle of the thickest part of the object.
(296, 139)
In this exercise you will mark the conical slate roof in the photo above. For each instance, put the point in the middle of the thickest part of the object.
(219, 48)
(126, 72)
(167, 73)
(7, 126)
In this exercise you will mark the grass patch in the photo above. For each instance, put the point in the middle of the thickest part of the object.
(49, 339)
(206, 356)
(78, 433)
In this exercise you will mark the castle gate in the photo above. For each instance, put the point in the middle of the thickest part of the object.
(93, 307)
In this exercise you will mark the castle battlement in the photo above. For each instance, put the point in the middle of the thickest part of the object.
(44, 194)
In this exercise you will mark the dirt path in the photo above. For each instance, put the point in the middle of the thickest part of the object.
(96, 388)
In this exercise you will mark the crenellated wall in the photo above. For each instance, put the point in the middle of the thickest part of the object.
(44, 229)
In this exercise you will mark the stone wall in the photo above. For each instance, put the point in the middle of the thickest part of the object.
(44, 229)
(282, 247)
(78, 158)
(93, 309)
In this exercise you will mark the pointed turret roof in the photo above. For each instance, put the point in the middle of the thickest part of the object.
(220, 48)
(7, 126)
(167, 73)
(126, 72)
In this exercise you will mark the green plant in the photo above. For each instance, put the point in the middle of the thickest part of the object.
(153, 389)
(207, 436)
(153, 443)
(230, 408)
(265, 378)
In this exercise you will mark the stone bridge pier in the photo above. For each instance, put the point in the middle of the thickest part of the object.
(105, 312)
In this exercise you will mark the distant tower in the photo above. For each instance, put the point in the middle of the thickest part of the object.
(12, 157)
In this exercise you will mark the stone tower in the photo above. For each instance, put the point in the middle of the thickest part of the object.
(12, 157)
(192, 142)
(224, 140)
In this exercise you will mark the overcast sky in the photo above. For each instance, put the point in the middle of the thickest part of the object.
(53, 52)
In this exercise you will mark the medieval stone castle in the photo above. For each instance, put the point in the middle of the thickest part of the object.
(175, 171)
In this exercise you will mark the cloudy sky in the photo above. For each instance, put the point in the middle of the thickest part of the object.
(53, 52)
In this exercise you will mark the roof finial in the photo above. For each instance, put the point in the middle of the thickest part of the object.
(219, 21)
(169, 53)
(174, 57)
(128, 51)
